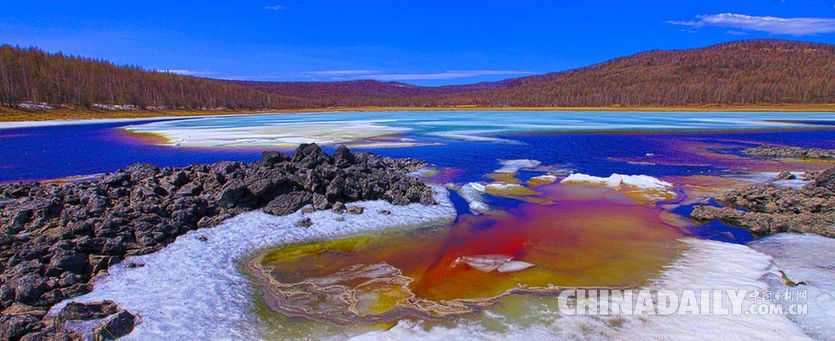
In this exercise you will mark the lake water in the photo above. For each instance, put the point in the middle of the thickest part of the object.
(506, 173)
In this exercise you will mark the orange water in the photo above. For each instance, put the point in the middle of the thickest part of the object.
(588, 236)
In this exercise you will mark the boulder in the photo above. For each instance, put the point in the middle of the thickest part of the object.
(75, 311)
(116, 326)
(288, 203)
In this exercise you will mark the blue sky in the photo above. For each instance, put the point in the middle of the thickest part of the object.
(417, 42)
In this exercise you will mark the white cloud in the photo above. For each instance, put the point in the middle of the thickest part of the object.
(773, 25)
(341, 72)
(381, 76)
(186, 72)
(274, 8)
(444, 75)
(345, 75)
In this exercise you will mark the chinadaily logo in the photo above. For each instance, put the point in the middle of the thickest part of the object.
(681, 302)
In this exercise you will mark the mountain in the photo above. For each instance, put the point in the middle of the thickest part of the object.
(737, 73)
(363, 92)
(754, 72)
(747, 72)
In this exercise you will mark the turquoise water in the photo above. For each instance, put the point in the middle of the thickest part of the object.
(471, 125)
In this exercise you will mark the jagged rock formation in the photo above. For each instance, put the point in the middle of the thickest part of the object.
(56, 238)
(766, 209)
(779, 152)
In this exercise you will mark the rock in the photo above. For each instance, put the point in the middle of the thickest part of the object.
(272, 157)
(13, 327)
(343, 157)
(28, 288)
(309, 155)
(385, 212)
(118, 179)
(356, 210)
(826, 180)
(75, 311)
(766, 209)
(304, 222)
(288, 203)
(51, 334)
(118, 325)
(69, 261)
(57, 238)
(785, 176)
(770, 151)
(232, 192)
(139, 171)
(338, 207)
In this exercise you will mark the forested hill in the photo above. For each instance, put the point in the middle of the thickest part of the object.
(31, 75)
(756, 72)
(748, 72)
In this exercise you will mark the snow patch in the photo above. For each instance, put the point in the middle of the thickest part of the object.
(705, 265)
(513, 166)
(473, 193)
(199, 134)
(808, 258)
(616, 181)
(193, 289)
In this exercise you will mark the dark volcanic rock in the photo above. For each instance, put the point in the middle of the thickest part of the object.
(118, 325)
(288, 203)
(56, 238)
(765, 209)
(790, 152)
(87, 311)
(304, 222)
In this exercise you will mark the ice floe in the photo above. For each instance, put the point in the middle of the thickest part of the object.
(513, 266)
(473, 193)
(288, 134)
(193, 289)
(647, 187)
(617, 180)
(490, 263)
(513, 166)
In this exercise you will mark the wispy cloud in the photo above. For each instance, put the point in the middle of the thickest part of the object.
(345, 75)
(773, 25)
(341, 72)
(274, 8)
(387, 76)
(445, 75)
(186, 72)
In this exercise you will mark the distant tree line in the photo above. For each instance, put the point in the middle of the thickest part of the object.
(752, 72)
(737, 73)
(32, 75)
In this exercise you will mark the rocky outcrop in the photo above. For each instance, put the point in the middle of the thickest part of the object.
(766, 209)
(780, 152)
(56, 238)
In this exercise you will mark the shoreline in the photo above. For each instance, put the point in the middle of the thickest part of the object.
(8, 115)
(215, 280)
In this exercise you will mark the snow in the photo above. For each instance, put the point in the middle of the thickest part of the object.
(193, 289)
(473, 193)
(808, 258)
(283, 135)
(616, 181)
(513, 166)
(705, 265)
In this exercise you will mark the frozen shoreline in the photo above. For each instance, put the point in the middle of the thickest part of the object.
(194, 289)
(705, 265)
